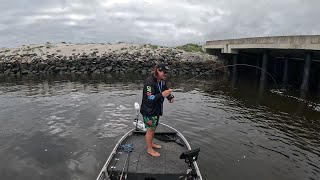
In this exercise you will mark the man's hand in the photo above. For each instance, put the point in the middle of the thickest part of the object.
(166, 93)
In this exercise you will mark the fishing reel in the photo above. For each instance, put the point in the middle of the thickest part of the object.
(170, 97)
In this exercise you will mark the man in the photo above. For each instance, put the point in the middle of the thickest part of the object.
(154, 92)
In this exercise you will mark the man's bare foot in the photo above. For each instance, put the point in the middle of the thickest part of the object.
(156, 146)
(153, 153)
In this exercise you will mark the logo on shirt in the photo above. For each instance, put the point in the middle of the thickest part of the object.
(151, 97)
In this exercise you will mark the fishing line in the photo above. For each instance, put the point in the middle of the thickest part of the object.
(248, 65)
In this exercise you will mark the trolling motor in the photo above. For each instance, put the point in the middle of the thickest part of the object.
(189, 157)
(138, 124)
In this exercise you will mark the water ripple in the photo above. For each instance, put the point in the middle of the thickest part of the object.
(66, 128)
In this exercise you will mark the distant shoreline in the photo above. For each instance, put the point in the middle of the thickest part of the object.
(68, 58)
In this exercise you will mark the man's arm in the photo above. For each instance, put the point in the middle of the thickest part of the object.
(165, 87)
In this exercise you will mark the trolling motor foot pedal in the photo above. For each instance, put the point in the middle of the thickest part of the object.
(189, 157)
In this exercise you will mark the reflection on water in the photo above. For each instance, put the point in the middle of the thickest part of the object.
(65, 127)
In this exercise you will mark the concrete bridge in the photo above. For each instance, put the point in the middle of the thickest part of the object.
(281, 49)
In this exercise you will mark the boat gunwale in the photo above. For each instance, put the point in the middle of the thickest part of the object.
(189, 148)
(104, 168)
(113, 152)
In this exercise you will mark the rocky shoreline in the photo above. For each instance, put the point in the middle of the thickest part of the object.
(70, 58)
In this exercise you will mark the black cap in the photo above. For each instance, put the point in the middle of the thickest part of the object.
(162, 67)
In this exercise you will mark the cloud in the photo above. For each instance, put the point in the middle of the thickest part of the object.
(166, 22)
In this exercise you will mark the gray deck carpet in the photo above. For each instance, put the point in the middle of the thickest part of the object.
(140, 162)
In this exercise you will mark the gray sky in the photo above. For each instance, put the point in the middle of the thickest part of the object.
(165, 22)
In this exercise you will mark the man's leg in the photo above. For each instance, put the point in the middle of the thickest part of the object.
(155, 145)
(150, 125)
(157, 123)
(149, 138)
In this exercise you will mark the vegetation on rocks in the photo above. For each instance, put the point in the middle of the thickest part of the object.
(191, 47)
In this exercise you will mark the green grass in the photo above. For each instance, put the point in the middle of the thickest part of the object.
(28, 48)
(190, 47)
(48, 45)
(153, 47)
(170, 50)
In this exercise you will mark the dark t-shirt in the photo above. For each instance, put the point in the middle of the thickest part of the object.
(152, 99)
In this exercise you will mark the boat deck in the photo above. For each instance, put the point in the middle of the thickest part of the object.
(141, 165)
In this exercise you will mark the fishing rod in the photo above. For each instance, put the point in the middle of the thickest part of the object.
(248, 65)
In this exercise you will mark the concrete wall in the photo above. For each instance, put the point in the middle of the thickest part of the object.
(306, 39)
(233, 46)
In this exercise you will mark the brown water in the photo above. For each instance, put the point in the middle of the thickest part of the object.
(65, 127)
